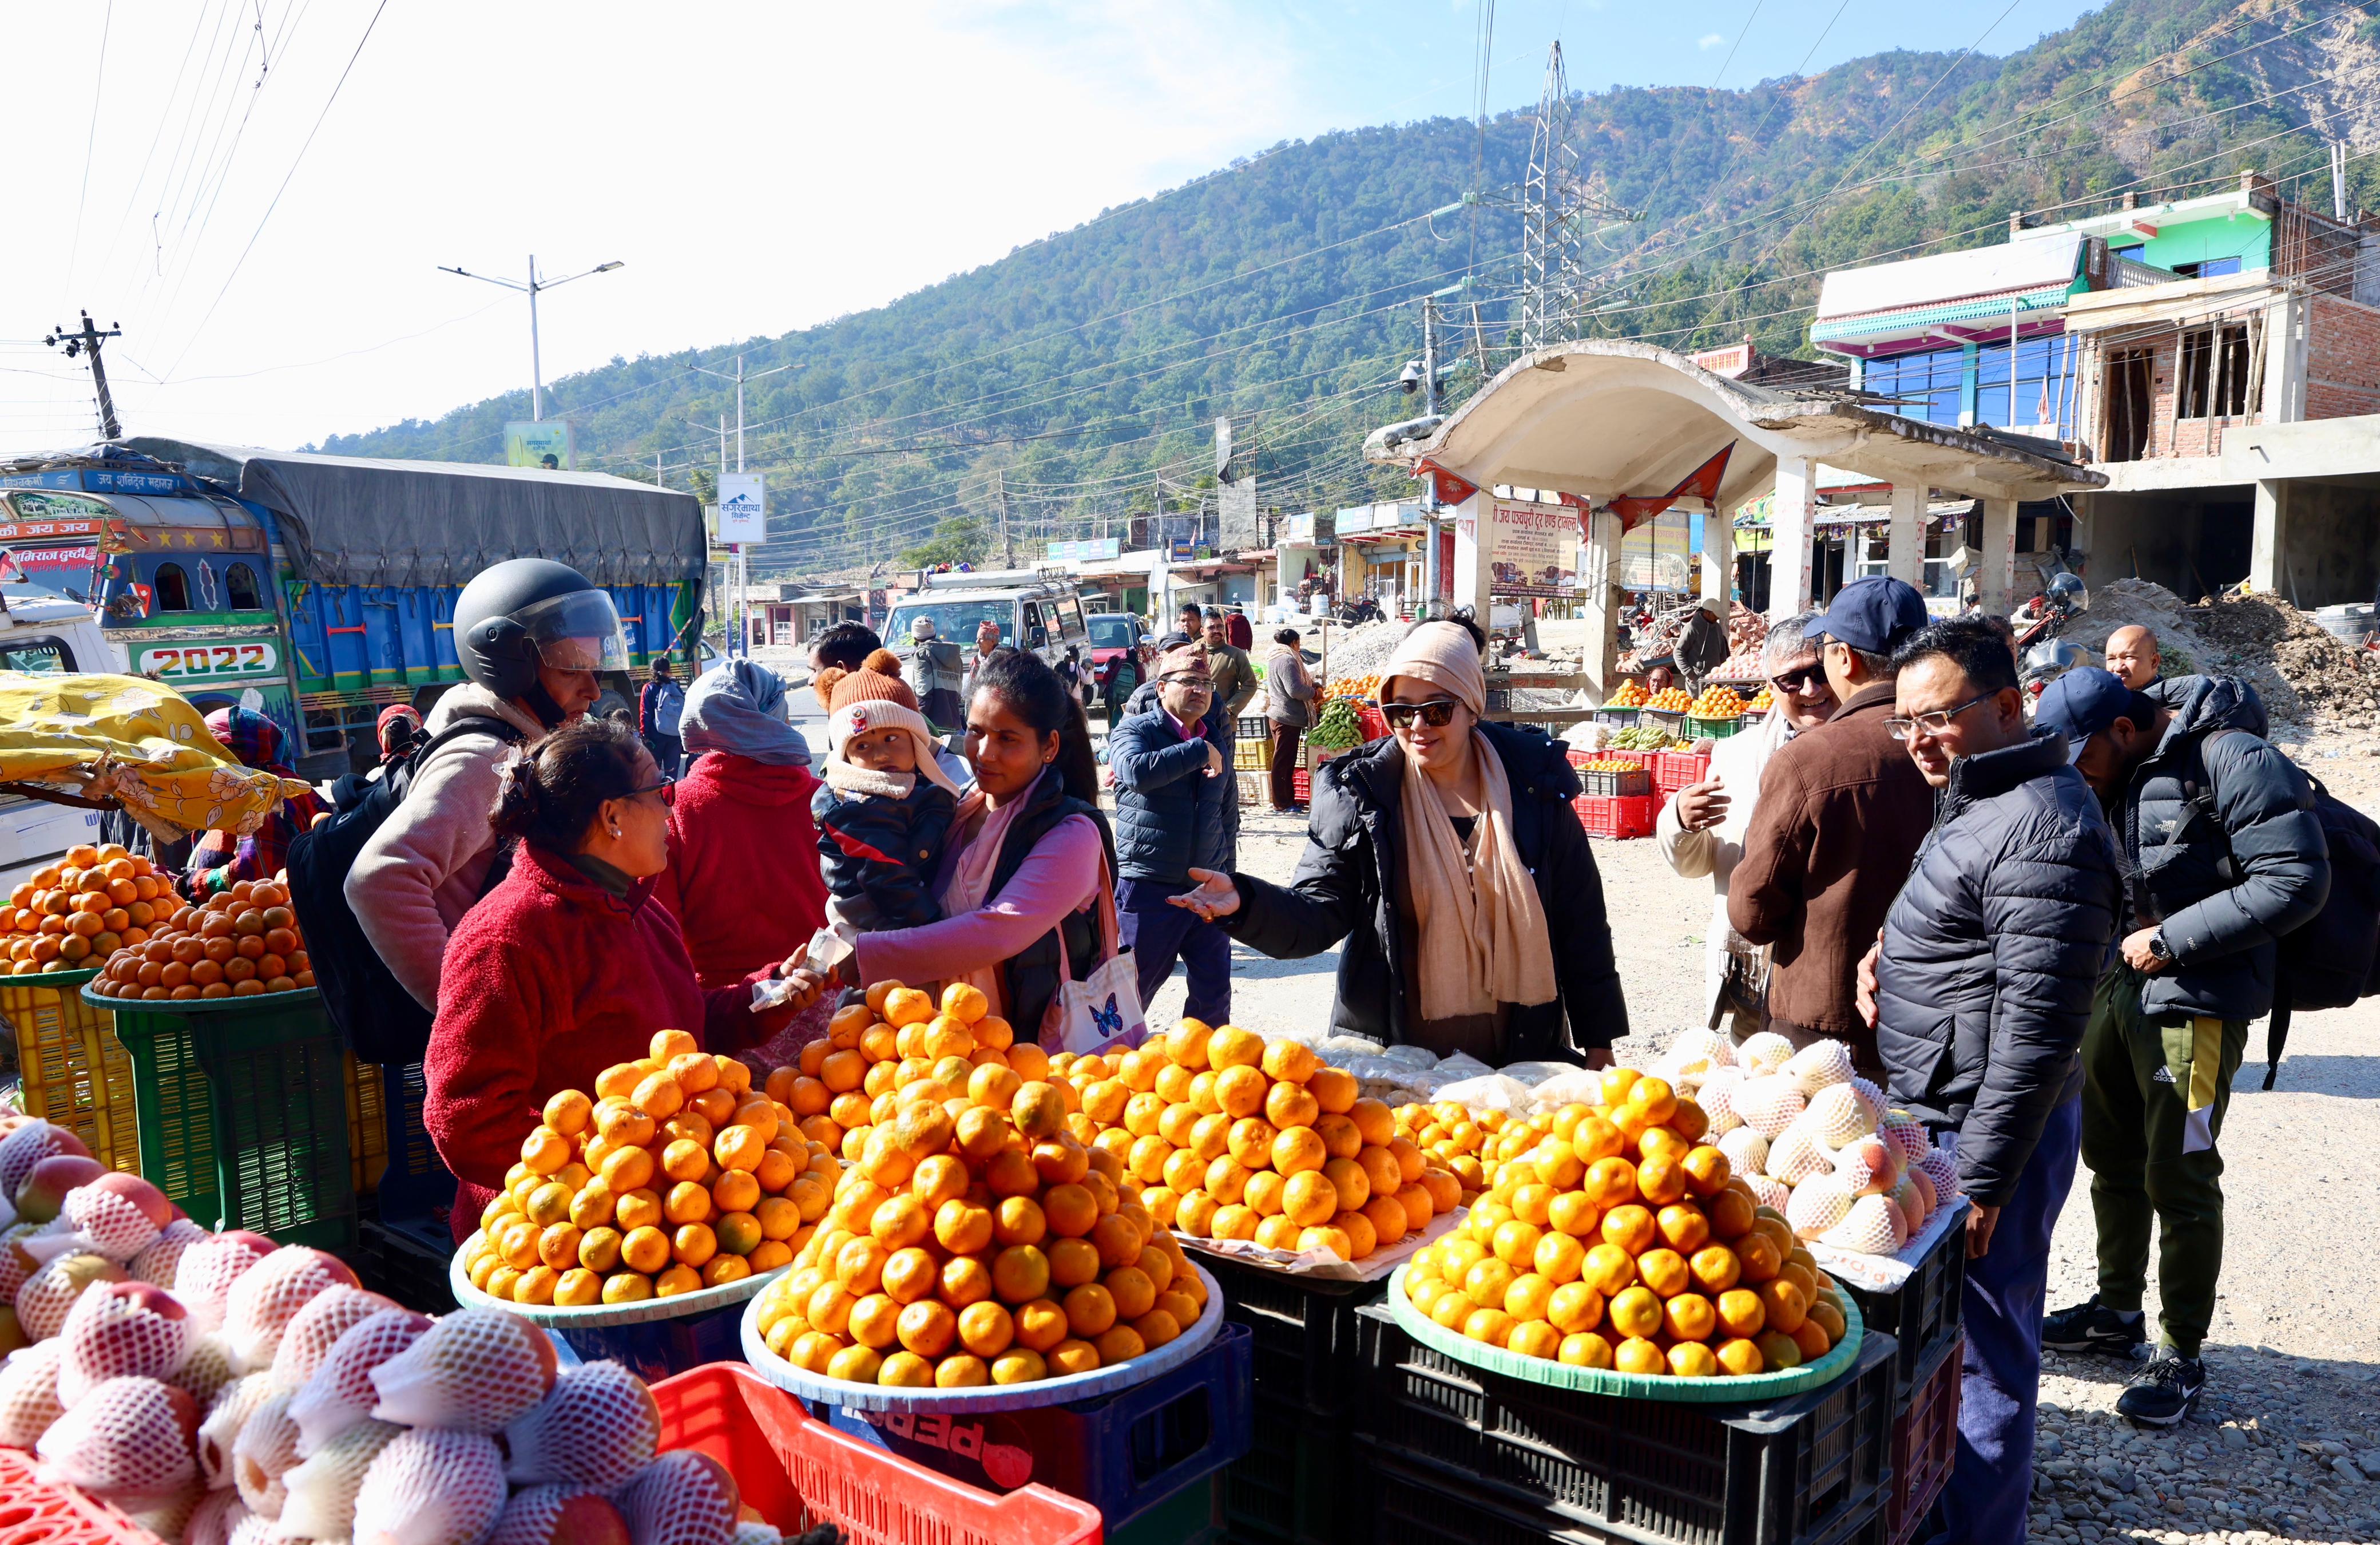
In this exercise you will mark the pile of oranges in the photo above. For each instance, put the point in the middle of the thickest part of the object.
(1669, 699)
(846, 1084)
(1718, 701)
(1631, 694)
(1455, 1135)
(242, 942)
(73, 916)
(1356, 689)
(1618, 1239)
(1233, 1137)
(976, 1240)
(677, 1174)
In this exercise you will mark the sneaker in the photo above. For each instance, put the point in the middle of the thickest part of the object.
(2092, 1327)
(2163, 1392)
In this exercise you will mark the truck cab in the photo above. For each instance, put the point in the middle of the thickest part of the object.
(1035, 610)
(43, 632)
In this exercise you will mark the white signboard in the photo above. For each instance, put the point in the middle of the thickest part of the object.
(743, 508)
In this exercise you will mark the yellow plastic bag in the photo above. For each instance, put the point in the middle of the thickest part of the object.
(134, 740)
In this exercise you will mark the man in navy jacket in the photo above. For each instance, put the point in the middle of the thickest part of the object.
(1172, 793)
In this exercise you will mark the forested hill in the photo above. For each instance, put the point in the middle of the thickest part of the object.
(1080, 377)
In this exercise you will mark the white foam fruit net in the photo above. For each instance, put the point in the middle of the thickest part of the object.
(165, 1516)
(162, 1261)
(1767, 1192)
(1746, 1151)
(1872, 1227)
(205, 1370)
(1767, 1104)
(1836, 1115)
(265, 1451)
(27, 1147)
(266, 1297)
(213, 1520)
(202, 1280)
(114, 1224)
(1795, 1156)
(432, 1485)
(557, 1516)
(128, 1437)
(598, 1427)
(1820, 1065)
(1866, 1166)
(339, 1391)
(49, 1294)
(1943, 1171)
(322, 1487)
(28, 1394)
(1763, 1053)
(120, 1330)
(329, 1315)
(475, 1370)
(1817, 1205)
(219, 1429)
(684, 1497)
(1908, 1133)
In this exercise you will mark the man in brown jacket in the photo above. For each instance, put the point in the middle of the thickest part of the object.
(1841, 812)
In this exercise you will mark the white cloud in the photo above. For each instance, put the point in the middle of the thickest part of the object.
(1709, 40)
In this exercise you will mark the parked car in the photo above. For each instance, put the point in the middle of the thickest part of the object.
(1120, 653)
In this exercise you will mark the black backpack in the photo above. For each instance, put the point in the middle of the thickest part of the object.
(2332, 958)
(380, 1020)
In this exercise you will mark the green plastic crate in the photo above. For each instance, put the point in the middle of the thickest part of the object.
(1712, 729)
(243, 1111)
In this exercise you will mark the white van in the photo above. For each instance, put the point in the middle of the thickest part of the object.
(1035, 610)
(44, 633)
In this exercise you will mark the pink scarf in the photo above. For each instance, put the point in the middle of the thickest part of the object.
(970, 884)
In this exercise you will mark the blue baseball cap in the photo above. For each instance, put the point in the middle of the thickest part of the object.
(2083, 702)
(1877, 613)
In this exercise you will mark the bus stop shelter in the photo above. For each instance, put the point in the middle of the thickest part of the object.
(1607, 427)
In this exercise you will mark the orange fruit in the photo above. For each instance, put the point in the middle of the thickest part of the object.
(1021, 1273)
(1309, 1198)
(1730, 1213)
(1327, 1237)
(1660, 1180)
(1742, 1312)
(1250, 1140)
(964, 1227)
(1288, 1104)
(928, 1328)
(1240, 1091)
(1586, 1349)
(1664, 1271)
(875, 1321)
(1491, 1326)
(1786, 1305)
(645, 1249)
(1019, 1366)
(1631, 1227)
(1682, 1227)
(1689, 1316)
(1071, 1356)
(1573, 1307)
(1610, 1182)
(1298, 1149)
(1038, 1111)
(1692, 1359)
(1334, 1089)
(1289, 1060)
(1607, 1269)
(693, 1244)
(1635, 1311)
(658, 1096)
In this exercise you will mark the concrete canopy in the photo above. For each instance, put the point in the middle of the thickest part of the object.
(1604, 417)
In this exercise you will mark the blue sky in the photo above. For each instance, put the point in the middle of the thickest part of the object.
(265, 208)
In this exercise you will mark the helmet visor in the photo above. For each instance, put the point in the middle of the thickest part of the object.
(580, 631)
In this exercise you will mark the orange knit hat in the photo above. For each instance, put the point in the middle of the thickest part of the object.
(876, 680)
(874, 697)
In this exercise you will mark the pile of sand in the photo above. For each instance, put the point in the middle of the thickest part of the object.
(2302, 672)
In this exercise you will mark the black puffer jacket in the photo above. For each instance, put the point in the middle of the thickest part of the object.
(1170, 815)
(1991, 954)
(2224, 886)
(1346, 883)
(879, 850)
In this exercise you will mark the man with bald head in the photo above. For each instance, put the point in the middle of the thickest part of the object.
(2132, 656)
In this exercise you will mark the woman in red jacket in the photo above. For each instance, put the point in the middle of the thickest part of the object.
(566, 967)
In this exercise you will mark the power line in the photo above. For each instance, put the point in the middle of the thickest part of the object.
(90, 142)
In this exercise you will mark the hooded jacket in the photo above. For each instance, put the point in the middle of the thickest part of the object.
(427, 864)
(1991, 954)
(1346, 883)
(1170, 817)
(2224, 886)
(742, 878)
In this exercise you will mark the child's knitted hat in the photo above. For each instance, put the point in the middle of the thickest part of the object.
(874, 698)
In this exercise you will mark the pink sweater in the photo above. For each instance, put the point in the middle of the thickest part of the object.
(1060, 875)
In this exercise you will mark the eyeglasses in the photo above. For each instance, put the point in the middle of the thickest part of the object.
(1933, 724)
(1188, 678)
(1800, 681)
(1436, 713)
(666, 788)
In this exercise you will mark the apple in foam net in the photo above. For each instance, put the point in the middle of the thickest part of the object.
(27, 1145)
(138, 1192)
(43, 1192)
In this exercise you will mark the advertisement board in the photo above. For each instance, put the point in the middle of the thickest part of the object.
(1533, 549)
(743, 508)
(543, 442)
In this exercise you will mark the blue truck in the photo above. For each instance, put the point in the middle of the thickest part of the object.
(320, 590)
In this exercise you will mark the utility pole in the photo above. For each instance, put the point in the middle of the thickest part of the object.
(534, 283)
(2338, 178)
(88, 342)
(739, 377)
(1430, 406)
(999, 492)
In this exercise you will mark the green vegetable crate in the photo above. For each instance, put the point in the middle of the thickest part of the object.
(243, 1111)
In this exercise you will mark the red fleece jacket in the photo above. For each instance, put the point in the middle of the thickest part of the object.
(744, 879)
(548, 982)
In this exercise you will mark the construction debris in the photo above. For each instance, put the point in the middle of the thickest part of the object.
(2302, 672)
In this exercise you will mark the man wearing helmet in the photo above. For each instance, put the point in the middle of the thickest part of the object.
(531, 636)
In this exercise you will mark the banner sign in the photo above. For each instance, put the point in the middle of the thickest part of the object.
(743, 508)
(542, 443)
(1532, 550)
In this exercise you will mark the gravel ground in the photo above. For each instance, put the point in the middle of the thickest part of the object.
(2287, 1444)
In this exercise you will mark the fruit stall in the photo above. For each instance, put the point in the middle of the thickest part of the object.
(929, 1282)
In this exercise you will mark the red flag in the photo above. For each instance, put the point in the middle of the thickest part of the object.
(1703, 483)
(1450, 488)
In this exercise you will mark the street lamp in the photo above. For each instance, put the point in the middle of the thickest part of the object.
(536, 366)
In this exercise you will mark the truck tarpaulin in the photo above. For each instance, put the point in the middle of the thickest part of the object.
(353, 520)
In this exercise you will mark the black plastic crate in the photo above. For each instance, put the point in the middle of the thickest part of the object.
(1922, 1314)
(1617, 784)
(1252, 726)
(405, 1266)
(1813, 1468)
(1294, 1486)
(1307, 1350)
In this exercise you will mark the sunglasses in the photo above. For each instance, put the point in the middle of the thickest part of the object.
(1436, 713)
(666, 788)
(1933, 724)
(1801, 680)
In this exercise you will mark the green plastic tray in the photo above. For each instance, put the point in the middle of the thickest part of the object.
(243, 1111)
(1749, 1389)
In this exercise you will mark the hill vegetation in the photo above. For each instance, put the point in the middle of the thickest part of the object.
(1075, 382)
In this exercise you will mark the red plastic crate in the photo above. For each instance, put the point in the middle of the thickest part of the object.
(1924, 1444)
(1617, 816)
(34, 1512)
(1374, 723)
(1675, 770)
(798, 1473)
(1301, 787)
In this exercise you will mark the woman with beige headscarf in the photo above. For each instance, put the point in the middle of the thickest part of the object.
(1449, 859)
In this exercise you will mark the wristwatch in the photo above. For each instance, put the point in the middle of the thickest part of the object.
(2158, 947)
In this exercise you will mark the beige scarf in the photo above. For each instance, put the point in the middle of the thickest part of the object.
(1479, 930)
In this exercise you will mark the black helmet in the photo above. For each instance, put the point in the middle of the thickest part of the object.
(527, 612)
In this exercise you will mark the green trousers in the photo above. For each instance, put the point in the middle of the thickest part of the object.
(2153, 1103)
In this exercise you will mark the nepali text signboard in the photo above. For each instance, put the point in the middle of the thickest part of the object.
(540, 442)
(1533, 549)
(743, 508)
